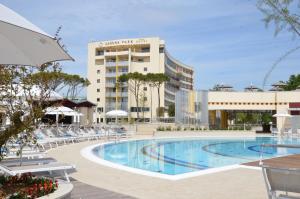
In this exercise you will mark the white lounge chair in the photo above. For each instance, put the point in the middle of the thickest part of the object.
(274, 131)
(51, 167)
(281, 182)
(288, 132)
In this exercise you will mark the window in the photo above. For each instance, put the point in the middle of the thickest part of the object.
(98, 90)
(145, 98)
(100, 109)
(161, 49)
(197, 107)
(97, 120)
(98, 80)
(99, 52)
(139, 109)
(145, 69)
(145, 49)
(140, 60)
(98, 99)
(145, 88)
(98, 71)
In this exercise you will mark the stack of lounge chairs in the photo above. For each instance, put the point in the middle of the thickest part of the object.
(287, 132)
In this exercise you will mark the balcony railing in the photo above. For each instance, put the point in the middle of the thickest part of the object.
(113, 64)
(113, 84)
(113, 94)
(112, 106)
(113, 74)
(125, 52)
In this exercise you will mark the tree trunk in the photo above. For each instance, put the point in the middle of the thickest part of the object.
(158, 92)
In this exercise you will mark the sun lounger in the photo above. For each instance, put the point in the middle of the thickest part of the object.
(30, 155)
(25, 161)
(274, 131)
(282, 181)
(51, 167)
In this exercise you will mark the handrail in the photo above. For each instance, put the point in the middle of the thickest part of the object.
(292, 146)
(281, 145)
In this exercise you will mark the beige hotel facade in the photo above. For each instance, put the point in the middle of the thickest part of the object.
(107, 60)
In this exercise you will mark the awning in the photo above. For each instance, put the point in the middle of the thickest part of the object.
(23, 43)
(61, 110)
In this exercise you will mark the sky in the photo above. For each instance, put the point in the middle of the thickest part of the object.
(225, 41)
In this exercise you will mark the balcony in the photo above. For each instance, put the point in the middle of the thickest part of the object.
(174, 82)
(140, 54)
(113, 84)
(114, 74)
(113, 94)
(112, 106)
(125, 52)
(113, 64)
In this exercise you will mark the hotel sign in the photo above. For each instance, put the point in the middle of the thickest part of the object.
(123, 42)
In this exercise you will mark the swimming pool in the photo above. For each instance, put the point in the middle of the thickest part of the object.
(185, 155)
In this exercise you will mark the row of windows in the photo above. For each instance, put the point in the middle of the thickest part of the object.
(139, 109)
(132, 109)
(142, 50)
(245, 103)
(178, 67)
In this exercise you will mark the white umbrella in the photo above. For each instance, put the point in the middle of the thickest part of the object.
(62, 110)
(117, 113)
(282, 116)
(23, 43)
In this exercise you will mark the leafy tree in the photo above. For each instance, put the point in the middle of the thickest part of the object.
(292, 83)
(73, 84)
(241, 117)
(171, 110)
(157, 80)
(23, 96)
(284, 14)
(135, 81)
(266, 118)
(25, 92)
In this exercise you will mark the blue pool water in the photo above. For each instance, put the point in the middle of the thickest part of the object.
(178, 156)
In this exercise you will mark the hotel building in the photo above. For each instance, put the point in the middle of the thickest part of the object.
(107, 60)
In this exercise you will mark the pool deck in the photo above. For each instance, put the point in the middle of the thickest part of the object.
(232, 184)
(291, 161)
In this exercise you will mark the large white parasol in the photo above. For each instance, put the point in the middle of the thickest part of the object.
(62, 110)
(117, 113)
(23, 43)
(282, 116)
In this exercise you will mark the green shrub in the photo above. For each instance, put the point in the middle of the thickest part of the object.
(248, 128)
(160, 128)
(168, 128)
(192, 129)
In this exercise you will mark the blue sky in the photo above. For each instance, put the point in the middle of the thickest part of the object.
(224, 40)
